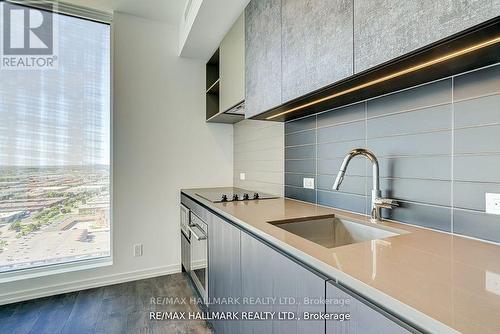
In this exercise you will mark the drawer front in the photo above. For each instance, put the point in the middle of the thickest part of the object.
(196, 208)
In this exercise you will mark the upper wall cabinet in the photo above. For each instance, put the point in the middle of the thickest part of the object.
(386, 29)
(317, 42)
(296, 47)
(263, 56)
(232, 66)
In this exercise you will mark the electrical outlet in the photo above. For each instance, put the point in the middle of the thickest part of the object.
(138, 250)
(493, 203)
(308, 183)
(242, 176)
(492, 282)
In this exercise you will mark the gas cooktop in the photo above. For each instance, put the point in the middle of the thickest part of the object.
(232, 195)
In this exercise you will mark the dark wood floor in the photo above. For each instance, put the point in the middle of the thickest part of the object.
(120, 308)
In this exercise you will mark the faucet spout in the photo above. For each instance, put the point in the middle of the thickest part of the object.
(377, 201)
(338, 180)
(345, 163)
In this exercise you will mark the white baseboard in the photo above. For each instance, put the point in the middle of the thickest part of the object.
(88, 283)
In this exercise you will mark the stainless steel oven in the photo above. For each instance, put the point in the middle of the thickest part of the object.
(185, 236)
(199, 254)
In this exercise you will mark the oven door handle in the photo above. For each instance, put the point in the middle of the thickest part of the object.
(199, 235)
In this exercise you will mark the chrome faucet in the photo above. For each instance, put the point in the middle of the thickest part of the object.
(377, 201)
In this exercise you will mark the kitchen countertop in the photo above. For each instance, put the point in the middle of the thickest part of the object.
(432, 279)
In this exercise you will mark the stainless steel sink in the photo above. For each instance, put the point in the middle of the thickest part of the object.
(333, 232)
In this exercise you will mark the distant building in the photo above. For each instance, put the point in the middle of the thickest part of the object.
(8, 217)
(93, 208)
(92, 188)
(5, 196)
(28, 204)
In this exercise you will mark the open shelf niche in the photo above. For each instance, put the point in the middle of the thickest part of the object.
(212, 85)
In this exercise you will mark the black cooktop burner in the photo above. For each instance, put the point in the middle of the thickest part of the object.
(233, 194)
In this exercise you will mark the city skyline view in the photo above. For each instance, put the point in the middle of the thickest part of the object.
(52, 215)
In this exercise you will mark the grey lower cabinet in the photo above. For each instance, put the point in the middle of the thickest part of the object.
(262, 56)
(386, 29)
(317, 44)
(364, 316)
(260, 278)
(264, 280)
(224, 271)
(278, 284)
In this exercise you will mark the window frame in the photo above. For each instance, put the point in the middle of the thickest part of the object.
(100, 17)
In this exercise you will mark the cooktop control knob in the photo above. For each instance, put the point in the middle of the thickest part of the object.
(256, 196)
(235, 197)
(245, 196)
(224, 198)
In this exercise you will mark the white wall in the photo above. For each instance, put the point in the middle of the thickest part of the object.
(259, 153)
(161, 144)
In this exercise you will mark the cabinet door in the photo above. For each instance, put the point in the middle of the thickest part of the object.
(262, 56)
(364, 318)
(232, 66)
(280, 285)
(317, 41)
(224, 270)
(387, 29)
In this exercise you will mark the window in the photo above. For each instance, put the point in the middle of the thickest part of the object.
(55, 152)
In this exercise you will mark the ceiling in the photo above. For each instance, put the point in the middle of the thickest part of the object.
(162, 10)
(200, 32)
(206, 24)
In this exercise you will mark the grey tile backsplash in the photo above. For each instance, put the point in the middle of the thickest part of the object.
(258, 151)
(438, 146)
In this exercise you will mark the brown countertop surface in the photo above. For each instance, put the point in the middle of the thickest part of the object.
(426, 277)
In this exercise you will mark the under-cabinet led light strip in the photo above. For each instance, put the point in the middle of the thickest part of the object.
(395, 75)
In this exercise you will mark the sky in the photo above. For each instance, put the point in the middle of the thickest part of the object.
(60, 117)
